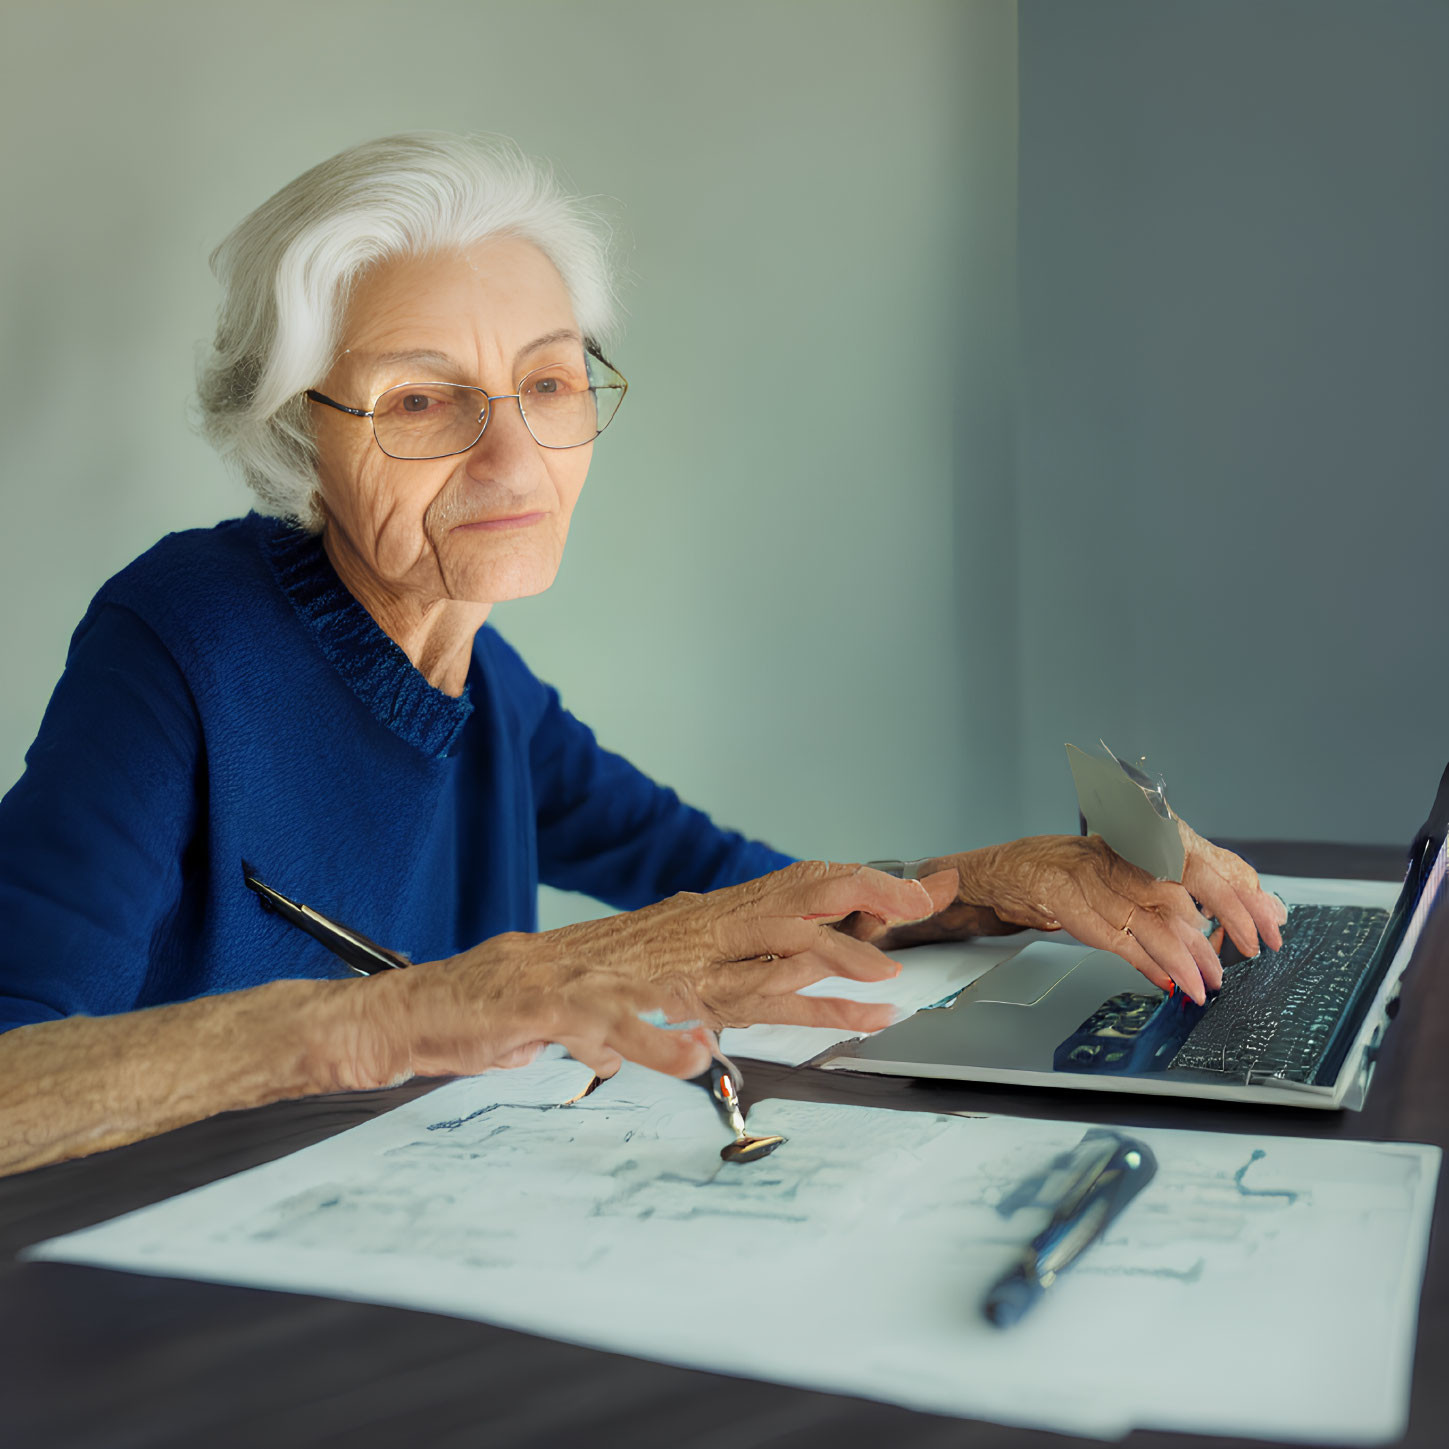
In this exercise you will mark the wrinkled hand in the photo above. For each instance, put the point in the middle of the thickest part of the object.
(730, 958)
(1052, 882)
(1227, 887)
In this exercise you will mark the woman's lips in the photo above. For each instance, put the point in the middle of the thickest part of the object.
(495, 525)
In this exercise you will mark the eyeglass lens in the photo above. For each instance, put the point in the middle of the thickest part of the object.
(564, 405)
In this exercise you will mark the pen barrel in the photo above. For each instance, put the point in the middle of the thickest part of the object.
(1085, 1211)
(1012, 1296)
(1064, 1241)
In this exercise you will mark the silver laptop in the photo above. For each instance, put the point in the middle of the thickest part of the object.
(1299, 1027)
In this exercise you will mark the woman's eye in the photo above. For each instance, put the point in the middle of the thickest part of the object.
(416, 402)
(546, 385)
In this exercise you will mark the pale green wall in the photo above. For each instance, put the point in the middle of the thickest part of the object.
(832, 575)
(761, 602)
(1234, 439)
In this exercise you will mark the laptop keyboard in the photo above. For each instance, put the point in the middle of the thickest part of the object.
(1276, 1012)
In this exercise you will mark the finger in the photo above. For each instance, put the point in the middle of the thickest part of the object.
(1219, 897)
(1163, 944)
(1208, 965)
(831, 1011)
(1104, 901)
(1216, 941)
(731, 979)
(831, 892)
(1232, 867)
(1169, 898)
(1166, 897)
(941, 886)
(844, 956)
(594, 1055)
(675, 1053)
(735, 982)
(748, 935)
(806, 954)
(1268, 913)
(521, 1056)
(861, 926)
(1130, 950)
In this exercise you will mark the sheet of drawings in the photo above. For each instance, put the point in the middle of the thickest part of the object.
(934, 975)
(1257, 1286)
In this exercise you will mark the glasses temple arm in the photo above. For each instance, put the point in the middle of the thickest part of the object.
(341, 407)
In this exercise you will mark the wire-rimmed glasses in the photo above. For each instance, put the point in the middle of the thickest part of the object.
(563, 405)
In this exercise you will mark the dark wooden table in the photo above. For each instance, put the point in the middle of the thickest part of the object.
(90, 1357)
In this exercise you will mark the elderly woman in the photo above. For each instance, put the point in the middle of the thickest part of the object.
(408, 371)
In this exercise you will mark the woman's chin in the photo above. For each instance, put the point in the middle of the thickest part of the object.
(495, 581)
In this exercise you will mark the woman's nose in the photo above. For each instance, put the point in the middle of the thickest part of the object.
(506, 443)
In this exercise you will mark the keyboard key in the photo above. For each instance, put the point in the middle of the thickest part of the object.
(1276, 1012)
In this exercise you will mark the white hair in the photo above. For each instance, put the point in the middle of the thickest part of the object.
(287, 270)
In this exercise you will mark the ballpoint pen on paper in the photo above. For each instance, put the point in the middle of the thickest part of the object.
(1108, 1171)
(721, 1081)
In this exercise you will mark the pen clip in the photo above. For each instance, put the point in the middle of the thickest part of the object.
(1108, 1179)
(1087, 1168)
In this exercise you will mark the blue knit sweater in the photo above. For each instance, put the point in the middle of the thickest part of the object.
(224, 698)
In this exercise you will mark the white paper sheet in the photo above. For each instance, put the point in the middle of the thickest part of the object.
(1262, 1286)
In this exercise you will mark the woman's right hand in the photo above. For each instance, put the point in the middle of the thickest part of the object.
(733, 957)
(726, 959)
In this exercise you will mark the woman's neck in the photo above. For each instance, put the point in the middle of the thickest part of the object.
(435, 633)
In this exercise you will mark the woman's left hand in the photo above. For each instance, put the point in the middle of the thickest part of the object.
(1054, 882)
(1227, 887)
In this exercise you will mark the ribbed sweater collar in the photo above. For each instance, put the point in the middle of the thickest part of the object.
(372, 665)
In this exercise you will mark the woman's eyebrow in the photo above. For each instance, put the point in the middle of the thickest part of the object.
(442, 359)
(563, 334)
(436, 359)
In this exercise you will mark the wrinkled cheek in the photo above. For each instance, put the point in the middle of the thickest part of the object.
(341, 479)
(393, 520)
(568, 487)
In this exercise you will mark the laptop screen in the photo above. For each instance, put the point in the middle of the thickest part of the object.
(1432, 889)
(1423, 890)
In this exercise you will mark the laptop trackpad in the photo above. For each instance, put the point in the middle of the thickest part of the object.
(1027, 977)
(1015, 1016)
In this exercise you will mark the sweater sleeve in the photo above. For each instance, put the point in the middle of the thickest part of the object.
(92, 835)
(607, 830)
